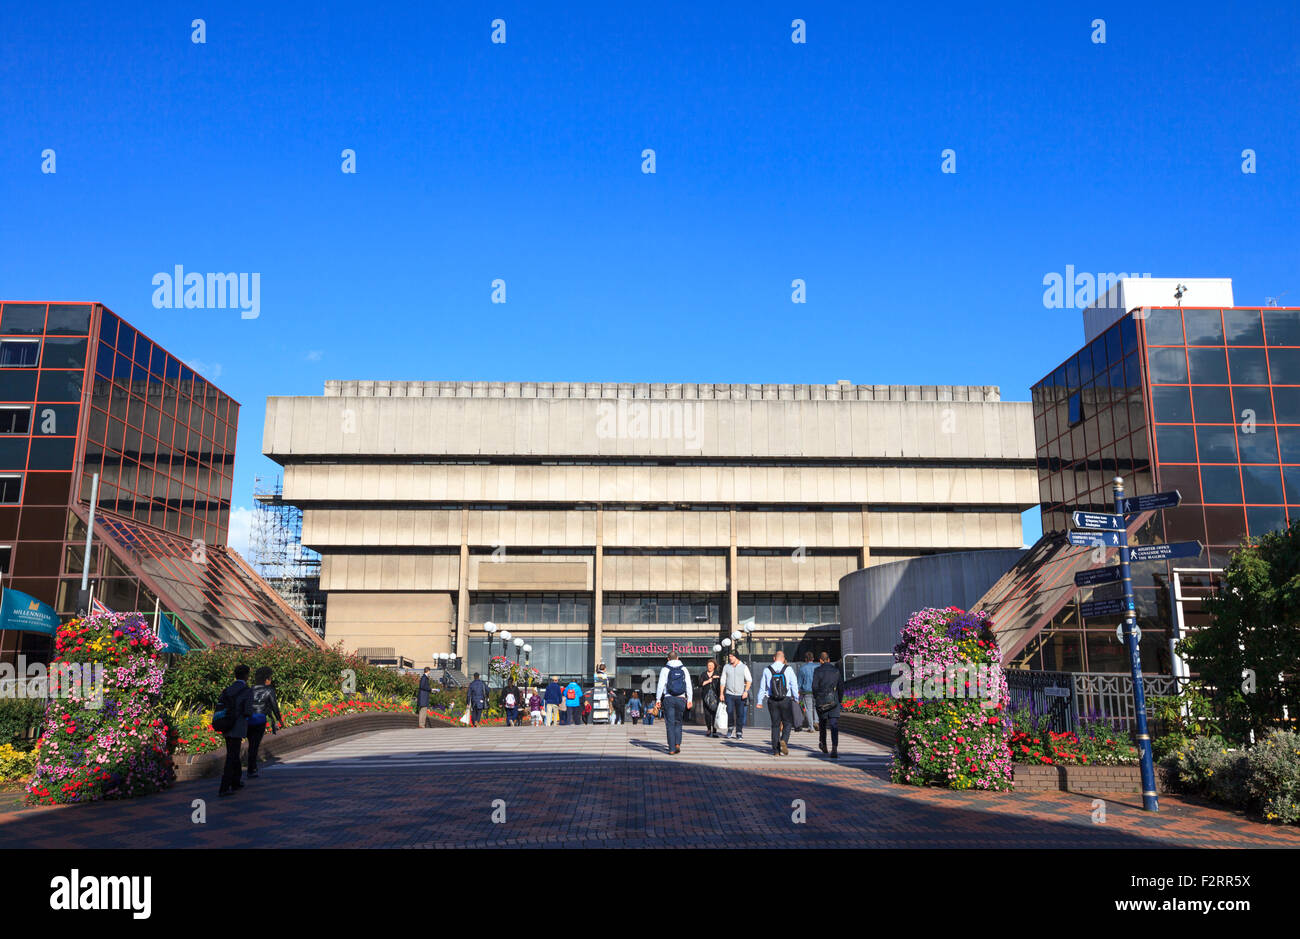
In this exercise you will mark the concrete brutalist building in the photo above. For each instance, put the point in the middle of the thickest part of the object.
(609, 522)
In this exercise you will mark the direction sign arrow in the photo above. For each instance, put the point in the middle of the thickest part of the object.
(1094, 539)
(1102, 607)
(1096, 576)
(1152, 501)
(1163, 552)
(1098, 521)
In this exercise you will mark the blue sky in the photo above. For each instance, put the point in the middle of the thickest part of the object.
(522, 161)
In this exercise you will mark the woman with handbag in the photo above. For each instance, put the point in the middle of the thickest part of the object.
(828, 692)
(710, 681)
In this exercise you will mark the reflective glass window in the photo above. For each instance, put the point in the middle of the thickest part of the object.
(1221, 484)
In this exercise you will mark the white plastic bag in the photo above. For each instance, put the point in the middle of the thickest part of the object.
(720, 722)
(465, 718)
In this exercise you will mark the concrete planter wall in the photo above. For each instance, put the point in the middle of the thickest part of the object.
(876, 729)
(292, 739)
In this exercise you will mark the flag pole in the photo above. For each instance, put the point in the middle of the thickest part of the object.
(85, 594)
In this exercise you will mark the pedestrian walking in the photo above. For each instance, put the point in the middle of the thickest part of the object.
(634, 708)
(736, 680)
(779, 687)
(510, 702)
(617, 706)
(422, 697)
(236, 705)
(710, 696)
(477, 698)
(675, 697)
(828, 692)
(572, 703)
(535, 707)
(553, 698)
(264, 709)
(805, 692)
(586, 709)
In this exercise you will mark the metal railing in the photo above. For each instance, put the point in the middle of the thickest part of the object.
(1047, 695)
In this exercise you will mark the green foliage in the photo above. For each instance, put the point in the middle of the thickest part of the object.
(1254, 625)
(1273, 778)
(15, 764)
(17, 715)
(1264, 778)
(300, 673)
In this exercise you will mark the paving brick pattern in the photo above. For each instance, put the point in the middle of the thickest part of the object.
(610, 787)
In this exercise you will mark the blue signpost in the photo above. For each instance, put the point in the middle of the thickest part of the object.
(1149, 800)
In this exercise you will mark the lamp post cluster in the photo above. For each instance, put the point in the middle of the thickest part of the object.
(735, 638)
(506, 640)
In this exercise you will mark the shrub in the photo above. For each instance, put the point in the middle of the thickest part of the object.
(17, 716)
(15, 764)
(300, 674)
(947, 738)
(1273, 776)
(109, 744)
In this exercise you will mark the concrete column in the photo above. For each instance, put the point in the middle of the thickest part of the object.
(597, 593)
(733, 596)
(866, 539)
(462, 603)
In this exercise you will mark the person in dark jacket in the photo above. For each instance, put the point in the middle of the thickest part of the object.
(265, 710)
(554, 695)
(478, 698)
(238, 699)
(710, 682)
(422, 697)
(828, 692)
(510, 702)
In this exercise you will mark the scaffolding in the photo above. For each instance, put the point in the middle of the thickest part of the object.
(277, 554)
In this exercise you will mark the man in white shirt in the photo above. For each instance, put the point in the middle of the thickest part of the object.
(735, 689)
(780, 688)
(674, 697)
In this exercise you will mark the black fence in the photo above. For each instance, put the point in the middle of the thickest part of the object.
(1047, 695)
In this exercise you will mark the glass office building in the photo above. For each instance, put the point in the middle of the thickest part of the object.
(1202, 400)
(83, 393)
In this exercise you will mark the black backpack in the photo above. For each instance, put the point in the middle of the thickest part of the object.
(676, 684)
(223, 714)
(776, 689)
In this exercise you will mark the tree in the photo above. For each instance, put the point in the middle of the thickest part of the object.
(1249, 650)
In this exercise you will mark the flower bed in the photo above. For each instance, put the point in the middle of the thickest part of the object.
(873, 705)
(1264, 778)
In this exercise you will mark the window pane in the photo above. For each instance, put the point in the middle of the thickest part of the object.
(1285, 364)
(1173, 404)
(1221, 484)
(24, 319)
(64, 353)
(51, 453)
(1168, 366)
(1203, 327)
(1262, 484)
(1283, 327)
(69, 319)
(19, 353)
(62, 385)
(1209, 366)
(1256, 400)
(1216, 444)
(1177, 444)
(1264, 520)
(1249, 366)
(15, 420)
(1164, 328)
(1259, 446)
(1243, 327)
(1213, 404)
(1291, 475)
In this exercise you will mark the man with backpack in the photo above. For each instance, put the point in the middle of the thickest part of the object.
(477, 697)
(675, 697)
(780, 688)
(230, 719)
(265, 710)
(572, 703)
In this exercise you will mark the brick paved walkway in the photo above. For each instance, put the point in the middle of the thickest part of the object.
(611, 787)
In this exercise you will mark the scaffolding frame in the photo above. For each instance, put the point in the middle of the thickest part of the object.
(277, 554)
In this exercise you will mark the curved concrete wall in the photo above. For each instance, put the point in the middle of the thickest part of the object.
(875, 602)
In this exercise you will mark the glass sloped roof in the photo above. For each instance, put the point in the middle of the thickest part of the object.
(1041, 583)
(213, 592)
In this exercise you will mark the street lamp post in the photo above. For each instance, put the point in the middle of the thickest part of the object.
(491, 629)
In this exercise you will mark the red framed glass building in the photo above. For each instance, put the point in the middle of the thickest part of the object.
(82, 392)
(1204, 400)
